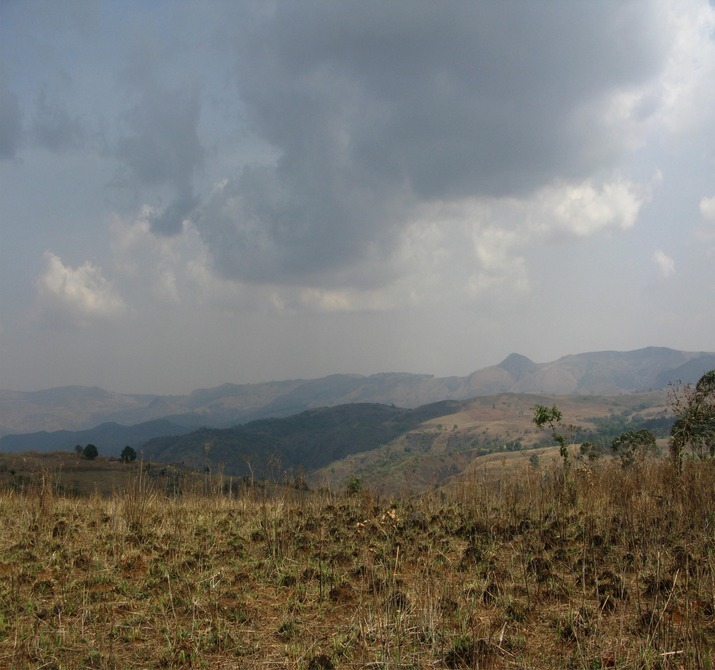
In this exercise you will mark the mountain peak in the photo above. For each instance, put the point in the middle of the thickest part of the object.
(517, 365)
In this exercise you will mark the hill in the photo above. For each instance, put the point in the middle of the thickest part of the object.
(305, 442)
(447, 445)
(394, 449)
(596, 373)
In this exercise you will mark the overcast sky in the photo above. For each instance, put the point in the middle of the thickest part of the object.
(200, 192)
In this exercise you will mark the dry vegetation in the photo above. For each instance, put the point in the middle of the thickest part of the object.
(594, 568)
(447, 445)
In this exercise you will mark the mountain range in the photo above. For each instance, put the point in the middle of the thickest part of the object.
(59, 418)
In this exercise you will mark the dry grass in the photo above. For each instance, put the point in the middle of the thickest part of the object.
(447, 445)
(599, 568)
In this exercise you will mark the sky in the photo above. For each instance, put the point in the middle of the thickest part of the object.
(203, 192)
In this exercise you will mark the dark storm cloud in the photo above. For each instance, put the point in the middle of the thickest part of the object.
(53, 127)
(10, 120)
(169, 220)
(162, 148)
(374, 105)
(278, 225)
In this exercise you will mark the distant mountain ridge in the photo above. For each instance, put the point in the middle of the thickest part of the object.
(77, 408)
(111, 437)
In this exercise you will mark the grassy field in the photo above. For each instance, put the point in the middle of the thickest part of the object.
(597, 567)
(65, 472)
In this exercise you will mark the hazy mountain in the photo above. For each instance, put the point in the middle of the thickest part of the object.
(606, 373)
(78, 408)
(110, 438)
(688, 373)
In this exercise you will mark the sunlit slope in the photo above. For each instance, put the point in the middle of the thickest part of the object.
(445, 446)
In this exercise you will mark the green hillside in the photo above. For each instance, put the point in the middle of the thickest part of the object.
(393, 449)
(304, 442)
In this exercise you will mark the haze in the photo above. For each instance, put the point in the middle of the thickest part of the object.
(194, 193)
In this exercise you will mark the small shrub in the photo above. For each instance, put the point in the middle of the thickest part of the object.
(128, 455)
(467, 653)
(354, 485)
(634, 446)
(90, 452)
(320, 662)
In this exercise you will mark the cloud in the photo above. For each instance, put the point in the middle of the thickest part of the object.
(271, 226)
(76, 296)
(684, 93)
(371, 112)
(470, 248)
(53, 127)
(664, 263)
(167, 270)
(582, 209)
(499, 265)
(707, 208)
(10, 119)
(490, 240)
(160, 144)
(705, 232)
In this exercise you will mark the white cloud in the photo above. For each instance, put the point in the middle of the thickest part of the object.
(499, 263)
(483, 248)
(582, 209)
(684, 90)
(483, 244)
(162, 265)
(664, 263)
(705, 231)
(76, 295)
(679, 99)
(707, 208)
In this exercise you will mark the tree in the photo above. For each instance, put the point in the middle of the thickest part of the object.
(633, 446)
(551, 417)
(354, 485)
(78, 450)
(90, 452)
(128, 455)
(590, 450)
(694, 426)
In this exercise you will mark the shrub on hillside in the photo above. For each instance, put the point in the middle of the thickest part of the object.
(128, 455)
(90, 452)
